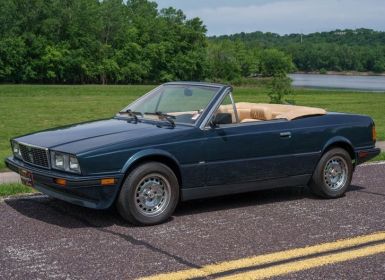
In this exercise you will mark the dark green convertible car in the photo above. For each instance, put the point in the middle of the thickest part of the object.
(184, 141)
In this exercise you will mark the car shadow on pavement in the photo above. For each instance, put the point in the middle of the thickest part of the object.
(363, 190)
(242, 200)
(250, 199)
(60, 213)
(63, 214)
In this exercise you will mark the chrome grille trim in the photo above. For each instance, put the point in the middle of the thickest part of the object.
(34, 155)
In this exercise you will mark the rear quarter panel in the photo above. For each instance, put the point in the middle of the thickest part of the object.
(313, 135)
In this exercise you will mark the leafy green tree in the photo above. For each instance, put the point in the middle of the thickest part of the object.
(379, 65)
(12, 59)
(88, 41)
(275, 63)
(114, 41)
(339, 50)
(223, 62)
(54, 62)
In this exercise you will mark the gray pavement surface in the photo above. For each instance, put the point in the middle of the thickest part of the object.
(44, 238)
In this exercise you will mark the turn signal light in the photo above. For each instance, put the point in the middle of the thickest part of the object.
(363, 154)
(107, 181)
(374, 134)
(61, 182)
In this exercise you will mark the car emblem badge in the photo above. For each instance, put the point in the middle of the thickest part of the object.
(30, 156)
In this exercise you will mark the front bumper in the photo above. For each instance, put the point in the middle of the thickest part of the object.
(85, 191)
(365, 154)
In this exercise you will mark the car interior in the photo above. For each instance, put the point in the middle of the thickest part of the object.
(254, 112)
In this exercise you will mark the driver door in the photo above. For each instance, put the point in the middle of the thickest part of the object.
(242, 152)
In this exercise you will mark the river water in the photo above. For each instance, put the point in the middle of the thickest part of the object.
(359, 83)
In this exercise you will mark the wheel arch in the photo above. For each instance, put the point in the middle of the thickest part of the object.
(156, 156)
(340, 142)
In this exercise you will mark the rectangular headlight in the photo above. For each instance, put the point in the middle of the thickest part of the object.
(59, 161)
(64, 162)
(16, 149)
(74, 164)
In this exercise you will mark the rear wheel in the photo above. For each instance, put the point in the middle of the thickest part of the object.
(333, 174)
(149, 194)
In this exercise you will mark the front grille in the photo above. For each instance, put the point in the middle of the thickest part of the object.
(34, 155)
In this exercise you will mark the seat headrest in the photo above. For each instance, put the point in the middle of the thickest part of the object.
(261, 113)
(243, 113)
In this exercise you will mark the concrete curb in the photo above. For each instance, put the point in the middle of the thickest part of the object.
(23, 196)
(9, 177)
(373, 163)
(381, 145)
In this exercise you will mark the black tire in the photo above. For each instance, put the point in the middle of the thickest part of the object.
(148, 184)
(321, 183)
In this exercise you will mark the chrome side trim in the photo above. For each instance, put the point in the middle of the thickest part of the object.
(200, 84)
(33, 146)
(234, 107)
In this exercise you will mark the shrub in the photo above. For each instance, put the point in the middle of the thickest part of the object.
(279, 89)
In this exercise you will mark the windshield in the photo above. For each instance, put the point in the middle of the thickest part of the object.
(184, 103)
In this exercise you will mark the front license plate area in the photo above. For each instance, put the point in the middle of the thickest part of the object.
(26, 177)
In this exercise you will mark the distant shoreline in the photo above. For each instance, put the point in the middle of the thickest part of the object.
(339, 80)
(344, 73)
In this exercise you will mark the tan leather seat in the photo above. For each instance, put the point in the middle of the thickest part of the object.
(261, 113)
(244, 114)
(264, 111)
(251, 112)
(245, 105)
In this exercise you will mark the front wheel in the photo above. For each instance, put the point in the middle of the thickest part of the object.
(333, 174)
(149, 194)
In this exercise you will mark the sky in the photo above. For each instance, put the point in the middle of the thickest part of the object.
(282, 16)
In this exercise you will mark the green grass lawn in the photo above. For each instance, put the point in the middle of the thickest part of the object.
(11, 189)
(29, 108)
(380, 157)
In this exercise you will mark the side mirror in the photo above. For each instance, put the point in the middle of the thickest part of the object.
(221, 118)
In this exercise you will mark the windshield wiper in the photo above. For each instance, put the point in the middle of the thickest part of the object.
(132, 114)
(163, 116)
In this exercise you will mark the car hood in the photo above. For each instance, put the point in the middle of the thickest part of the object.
(86, 136)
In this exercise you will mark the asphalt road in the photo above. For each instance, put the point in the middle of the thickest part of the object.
(44, 238)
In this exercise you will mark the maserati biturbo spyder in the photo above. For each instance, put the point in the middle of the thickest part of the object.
(184, 141)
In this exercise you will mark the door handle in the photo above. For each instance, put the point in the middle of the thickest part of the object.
(285, 135)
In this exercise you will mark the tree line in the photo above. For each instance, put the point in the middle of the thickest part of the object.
(340, 50)
(91, 41)
(132, 41)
